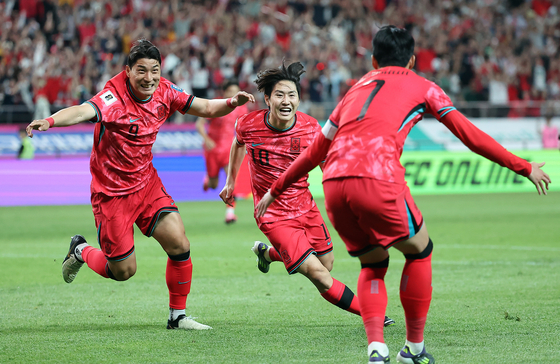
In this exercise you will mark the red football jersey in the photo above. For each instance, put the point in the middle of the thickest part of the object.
(270, 152)
(369, 126)
(222, 129)
(121, 158)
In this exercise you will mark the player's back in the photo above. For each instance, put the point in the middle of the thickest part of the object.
(374, 119)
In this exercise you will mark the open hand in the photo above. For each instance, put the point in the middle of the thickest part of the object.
(539, 177)
(241, 98)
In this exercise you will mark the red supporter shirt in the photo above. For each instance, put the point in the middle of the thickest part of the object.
(222, 129)
(270, 152)
(126, 129)
(369, 126)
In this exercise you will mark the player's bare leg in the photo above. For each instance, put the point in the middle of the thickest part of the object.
(170, 233)
(416, 294)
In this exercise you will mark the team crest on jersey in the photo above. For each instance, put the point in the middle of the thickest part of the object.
(108, 98)
(286, 256)
(177, 88)
(160, 112)
(295, 145)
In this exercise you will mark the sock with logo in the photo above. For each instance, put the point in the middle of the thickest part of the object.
(342, 296)
(372, 295)
(178, 276)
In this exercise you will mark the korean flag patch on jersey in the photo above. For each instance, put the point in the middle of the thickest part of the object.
(108, 98)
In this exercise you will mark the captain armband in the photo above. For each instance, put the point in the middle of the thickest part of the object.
(329, 130)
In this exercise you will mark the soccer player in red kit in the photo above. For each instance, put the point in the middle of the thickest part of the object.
(217, 143)
(366, 195)
(125, 187)
(272, 139)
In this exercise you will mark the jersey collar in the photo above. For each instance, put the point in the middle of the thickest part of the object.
(268, 125)
(131, 93)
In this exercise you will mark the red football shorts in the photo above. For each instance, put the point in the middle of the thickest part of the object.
(115, 216)
(368, 213)
(215, 161)
(295, 239)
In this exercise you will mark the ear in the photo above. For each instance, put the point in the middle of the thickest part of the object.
(411, 62)
(267, 100)
(128, 70)
(374, 63)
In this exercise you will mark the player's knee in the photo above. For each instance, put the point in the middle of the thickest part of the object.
(328, 264)
(424, 253)
(123, 273)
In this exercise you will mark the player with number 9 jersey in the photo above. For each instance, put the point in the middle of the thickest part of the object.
(125, 131)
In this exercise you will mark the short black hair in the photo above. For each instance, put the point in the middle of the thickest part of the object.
(143, 48)
(393, 46)
(230, 82)
(267, 79)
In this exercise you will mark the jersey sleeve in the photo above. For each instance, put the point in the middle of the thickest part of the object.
(437, 102)
(483, 144)
(238, 130)
(309, 159)
(179, 100)
(106, 100)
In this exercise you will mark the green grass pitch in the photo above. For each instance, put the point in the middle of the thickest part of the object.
(496, 280)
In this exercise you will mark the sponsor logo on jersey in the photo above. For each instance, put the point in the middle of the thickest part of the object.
(161, 112)
(295, 145)
(133, 120)
(108, 98)
(256, 144)
(177, 88)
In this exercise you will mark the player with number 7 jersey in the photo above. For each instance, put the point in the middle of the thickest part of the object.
(366, 195)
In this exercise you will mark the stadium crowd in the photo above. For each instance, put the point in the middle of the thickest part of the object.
(55, 53)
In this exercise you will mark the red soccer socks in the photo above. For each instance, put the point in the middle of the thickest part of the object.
(372, 295)
(341, 296)
(178, 276)
(416, 292)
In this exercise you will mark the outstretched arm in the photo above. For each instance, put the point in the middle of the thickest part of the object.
(219, 107)
(309, 159)
(236, 155)
(483, 144)
(69, 116)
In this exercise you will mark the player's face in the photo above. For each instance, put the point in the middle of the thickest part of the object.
(283, 102)
(144, 77)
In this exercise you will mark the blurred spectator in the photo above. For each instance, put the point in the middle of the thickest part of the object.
(26, 150)
(470, 48)
(549, 134)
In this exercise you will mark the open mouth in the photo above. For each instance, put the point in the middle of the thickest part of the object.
(285, 111)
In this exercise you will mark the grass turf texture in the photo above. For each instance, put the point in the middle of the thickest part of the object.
(495, 276)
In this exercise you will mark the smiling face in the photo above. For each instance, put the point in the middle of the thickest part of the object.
(283, 103)
(144, 77)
